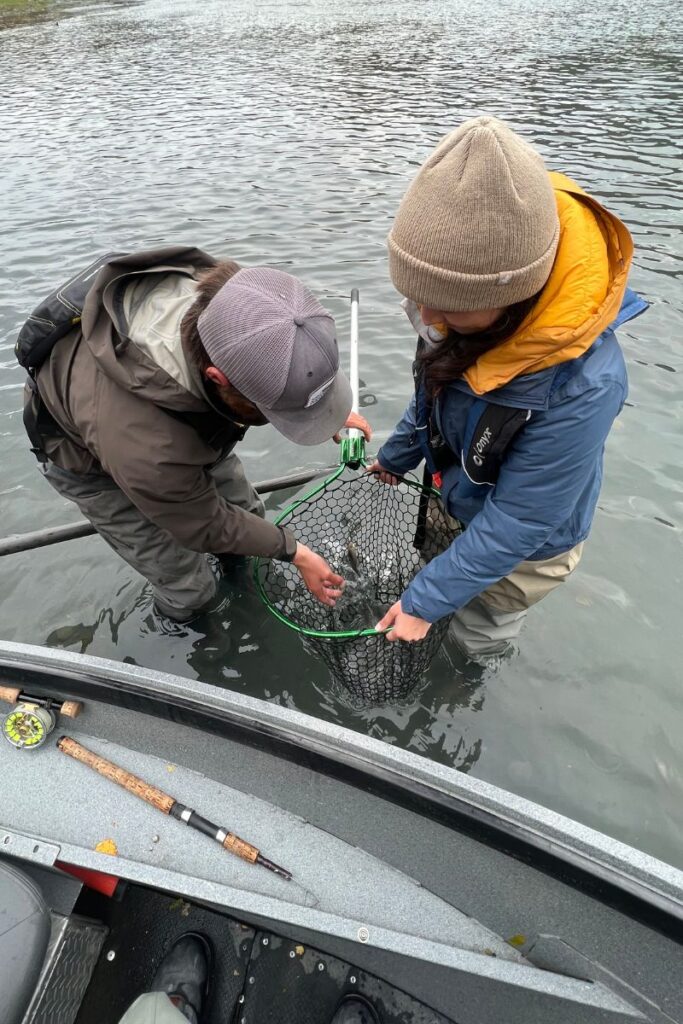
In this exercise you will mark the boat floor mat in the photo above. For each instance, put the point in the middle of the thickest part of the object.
(258, 977)
(142, 928)
(288, 983)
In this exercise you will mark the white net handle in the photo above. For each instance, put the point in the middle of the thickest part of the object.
(353, 360)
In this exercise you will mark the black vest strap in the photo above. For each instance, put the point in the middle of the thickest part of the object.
(485, 446)
(38, 422)
(493, 433)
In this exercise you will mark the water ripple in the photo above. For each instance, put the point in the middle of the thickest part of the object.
(286, 133)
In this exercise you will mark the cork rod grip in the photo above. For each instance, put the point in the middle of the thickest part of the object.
(240, 848)
(150, 794)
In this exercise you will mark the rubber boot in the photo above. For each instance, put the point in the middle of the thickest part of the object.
(183, 975)
(355, 1010)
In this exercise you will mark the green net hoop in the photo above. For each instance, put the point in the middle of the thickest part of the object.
(377, 537)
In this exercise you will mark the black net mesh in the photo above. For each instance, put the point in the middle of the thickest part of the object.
(377, 537)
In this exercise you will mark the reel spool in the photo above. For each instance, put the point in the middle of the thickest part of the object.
(28, 725)
(33, 718)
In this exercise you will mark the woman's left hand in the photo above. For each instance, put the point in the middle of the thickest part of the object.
(405, 627)
(356, 422)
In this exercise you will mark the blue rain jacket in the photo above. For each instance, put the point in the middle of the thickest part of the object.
(543, 501)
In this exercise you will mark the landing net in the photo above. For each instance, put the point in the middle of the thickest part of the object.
(378, 537)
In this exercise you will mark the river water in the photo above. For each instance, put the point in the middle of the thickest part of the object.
(285, 133)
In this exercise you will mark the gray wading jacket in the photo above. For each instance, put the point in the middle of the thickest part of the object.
(132, 406)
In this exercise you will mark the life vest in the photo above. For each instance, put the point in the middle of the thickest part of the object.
(489, 431)
(50, 321)
(53, 319)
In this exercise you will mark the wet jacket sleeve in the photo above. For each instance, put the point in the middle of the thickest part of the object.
(401, 452)
(546, 474)
(160, 464)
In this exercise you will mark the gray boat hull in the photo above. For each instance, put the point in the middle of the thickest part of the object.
(407, 869)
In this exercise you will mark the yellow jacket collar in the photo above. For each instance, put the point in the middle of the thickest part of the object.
(581, 298)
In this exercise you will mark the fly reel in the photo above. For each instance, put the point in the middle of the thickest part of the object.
(32, 719)
(28, 725)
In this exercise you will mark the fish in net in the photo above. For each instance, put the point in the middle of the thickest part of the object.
(377, 537)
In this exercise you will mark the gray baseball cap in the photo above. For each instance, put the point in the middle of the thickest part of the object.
(277, 345)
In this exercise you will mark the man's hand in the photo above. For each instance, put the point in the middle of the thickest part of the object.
(405, 627)
(356, 422)
(378, 469)
(322, 582)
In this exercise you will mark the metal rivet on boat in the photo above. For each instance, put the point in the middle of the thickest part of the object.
(265, 942)
(352, 979)
(241, 999)
(363, 934)
(111, 955)
(292, 954)
(252, 980)
(321, 966)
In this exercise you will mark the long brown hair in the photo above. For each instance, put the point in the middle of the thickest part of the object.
(447, 360)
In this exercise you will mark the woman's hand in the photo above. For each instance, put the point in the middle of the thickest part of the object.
(356, 422)
(321, 580)
(379, 470)
(405, 627)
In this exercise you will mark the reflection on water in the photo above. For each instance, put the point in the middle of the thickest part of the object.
(231, 634)
(286, 133)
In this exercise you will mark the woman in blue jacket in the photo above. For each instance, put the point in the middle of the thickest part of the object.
(515, 280)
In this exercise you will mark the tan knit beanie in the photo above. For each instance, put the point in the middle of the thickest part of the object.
(478, 227)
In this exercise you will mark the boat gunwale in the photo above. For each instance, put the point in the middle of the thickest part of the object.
(615, 874)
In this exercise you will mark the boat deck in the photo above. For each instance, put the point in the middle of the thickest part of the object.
(452, 891)
(80, 809)
(257, 976)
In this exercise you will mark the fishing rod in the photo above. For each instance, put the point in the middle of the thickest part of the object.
(73, 531)
(168, 805)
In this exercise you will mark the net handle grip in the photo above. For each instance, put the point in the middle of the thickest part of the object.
(353, 360)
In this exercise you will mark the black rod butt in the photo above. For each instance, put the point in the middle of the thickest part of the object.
(282, 872)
